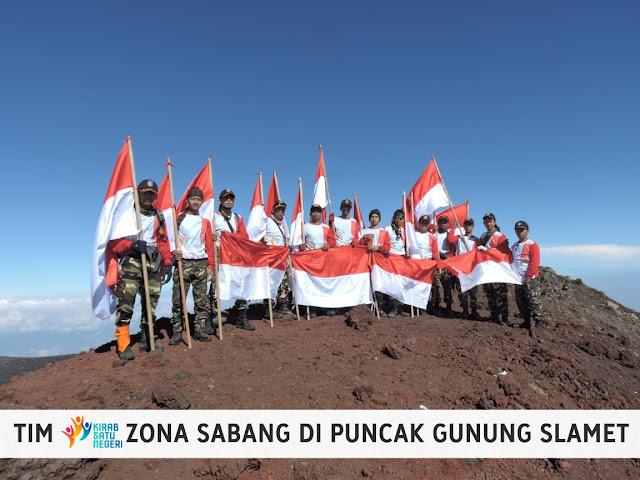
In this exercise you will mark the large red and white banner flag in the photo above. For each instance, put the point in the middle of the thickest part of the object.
(357, 214)
(336, 278)
(297, 222)
(257, 222)
(273, 195)
(428, 192)
(410, 226)
(479, 267)
(163, 204)
(117, 220)
(406, 279)
(320, 188)
(203, 182)
(461, 212)
(249, 270)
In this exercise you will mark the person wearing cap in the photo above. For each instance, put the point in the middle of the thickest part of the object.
(443, 278)
(426, 243)
(229, 222)
(464, 241)
(376, 239)
(497, 293)
(275, 234)
(154, 245)
(526, 261)
(346, 228)
(195, 250)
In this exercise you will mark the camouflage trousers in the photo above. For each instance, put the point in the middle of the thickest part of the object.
(130, 283)
(443, 280)
(282, 296)
(468, 298)
(194, 274)
(497, 297)
(528, 300)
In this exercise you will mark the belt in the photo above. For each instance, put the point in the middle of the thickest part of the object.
(193, 259)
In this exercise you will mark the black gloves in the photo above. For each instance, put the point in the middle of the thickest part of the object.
(139, 246)
(166, 275)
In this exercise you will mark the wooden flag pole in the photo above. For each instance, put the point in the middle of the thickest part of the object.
(215, 256)
(268, 283)
(290, 263)
(464, 238)
(326, 185)
(143, 257)
(183, 294)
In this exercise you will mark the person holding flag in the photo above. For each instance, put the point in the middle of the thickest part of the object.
(346, 228)
(376, 239)
(396, 233)
(464, 241)
(195, 249)
(443, 277)
(275, 234)
(497, 293)
(154, 245)
(232, 223)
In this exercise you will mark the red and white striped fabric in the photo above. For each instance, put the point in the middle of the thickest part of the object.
(249, 270)
(357, 214)
(408, 280)
(257, 222)
(336, 278)
(203, 182)
(117, 220)
(297, 222)
(320, 188)
(163, 204)
(480, 267)
(428, 192)
(410, 225)
(272, 196)
(462, 212)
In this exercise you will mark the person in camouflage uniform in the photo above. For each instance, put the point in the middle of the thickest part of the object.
(155, 246)
(275, 235)
(497, 293)
(470, 297)
(195, 251)
(526, 261)
(443, 277)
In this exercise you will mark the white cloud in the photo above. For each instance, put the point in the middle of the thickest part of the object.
(595, 252)
(63, 314)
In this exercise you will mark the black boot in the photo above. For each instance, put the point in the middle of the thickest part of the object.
(176, 338)
(200, 336)
(475, 315)
(127, 354)
(144, 345)
(243, 322)
(274, 312)
(208, 327)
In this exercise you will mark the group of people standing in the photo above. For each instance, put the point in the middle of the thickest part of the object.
(198, 243)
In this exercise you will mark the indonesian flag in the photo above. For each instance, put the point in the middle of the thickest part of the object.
(461, 211)
(203, 182)
(163, 204)
(479, 267)
(249, 270)
(272, 196)
(336, 278)
(406, 279)
(297, 222)
(357, 214)
(428, 192)
(117, 220)
(257, 222)
(320, 188)
(410, 225)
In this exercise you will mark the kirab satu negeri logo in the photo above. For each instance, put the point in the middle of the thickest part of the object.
(78, 426)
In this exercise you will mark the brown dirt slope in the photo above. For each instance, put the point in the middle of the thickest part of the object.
(585, 358)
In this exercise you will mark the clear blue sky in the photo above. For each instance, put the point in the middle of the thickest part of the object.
(531, 109)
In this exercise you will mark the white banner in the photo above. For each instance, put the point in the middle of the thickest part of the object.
(320, 433)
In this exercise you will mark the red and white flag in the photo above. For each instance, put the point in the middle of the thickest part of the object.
(461, 211)
(203, 182)
(249, 270)
(163, 204)
(320, 188)
(257, 222)
(408, 280)
(336, 278)
(478, 267)
(117, 220)
(273, 195)
(428, 192)
(297, 222)
(410, 226)
(357, 214)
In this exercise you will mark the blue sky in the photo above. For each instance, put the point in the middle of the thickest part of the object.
(531, 109)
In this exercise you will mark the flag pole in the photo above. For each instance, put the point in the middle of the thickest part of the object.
(356, 206)
(302, 228)
(406, 246)
(215, 255)
(464, 238)
(290, 263)
(326, 185)
(183, 294)
(143, 258)
(268, 283)
(413, 215)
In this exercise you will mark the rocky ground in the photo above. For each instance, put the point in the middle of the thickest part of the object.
(585, 358)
